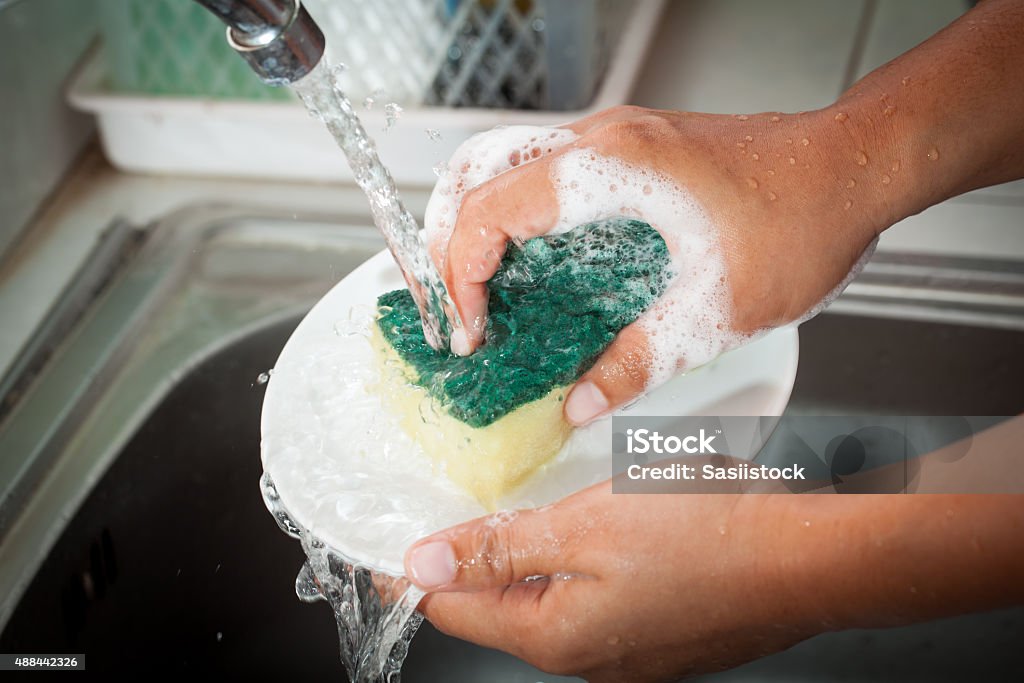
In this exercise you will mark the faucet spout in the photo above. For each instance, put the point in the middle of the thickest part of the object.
(278, 38)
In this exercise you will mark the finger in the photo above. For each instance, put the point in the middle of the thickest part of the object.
(513, 617)
(619, 376)
(493, 551)
(518, 204)
(492, 618)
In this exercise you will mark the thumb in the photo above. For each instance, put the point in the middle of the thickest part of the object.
(619, 376)
(488, 552)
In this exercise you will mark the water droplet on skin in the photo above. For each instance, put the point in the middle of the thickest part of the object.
(743, 117)
(895, 167)
(792, 161)
(933, 154)
(886, 180)
(862, 159)
(807, 522)
(905, 80)
(749, 138)
(752, 182)
(840, 117)
(721, 530)
(771, 171)
(755, 156)
(613, 640)
(889, 110)
(741, 145)
(789, 141)
(848, 204)
(805, 142)
(772, 196)
(775, 119)
(851, 183)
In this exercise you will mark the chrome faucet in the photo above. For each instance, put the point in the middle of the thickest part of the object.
(278, 38)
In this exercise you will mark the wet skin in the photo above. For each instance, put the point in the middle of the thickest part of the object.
(648, 602)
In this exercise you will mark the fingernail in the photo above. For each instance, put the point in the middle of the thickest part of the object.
(585, 402)
(432, 565)
(460, 342)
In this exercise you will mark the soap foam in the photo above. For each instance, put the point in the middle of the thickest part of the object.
(689, 325)
(479, 159)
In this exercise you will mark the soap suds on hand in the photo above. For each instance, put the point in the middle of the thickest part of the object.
(479, 159)
(691, 323)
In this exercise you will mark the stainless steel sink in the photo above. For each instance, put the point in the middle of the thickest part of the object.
(131, 524)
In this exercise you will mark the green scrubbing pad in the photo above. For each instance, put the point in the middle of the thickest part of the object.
(555, 303)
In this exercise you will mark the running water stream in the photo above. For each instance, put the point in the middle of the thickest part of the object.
(324, 99)
(375, 611)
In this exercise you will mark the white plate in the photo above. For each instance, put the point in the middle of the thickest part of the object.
(346, 471)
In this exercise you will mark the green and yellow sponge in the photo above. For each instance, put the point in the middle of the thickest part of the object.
(490, 419)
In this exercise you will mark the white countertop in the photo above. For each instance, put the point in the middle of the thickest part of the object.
(708, 55)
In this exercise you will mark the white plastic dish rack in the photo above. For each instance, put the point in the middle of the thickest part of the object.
(196, 136)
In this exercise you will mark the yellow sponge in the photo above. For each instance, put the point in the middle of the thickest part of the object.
(488, 461)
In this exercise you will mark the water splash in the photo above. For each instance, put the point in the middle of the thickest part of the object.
(323, 97)
(392, 112)
(375, 612)
(372, 98)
